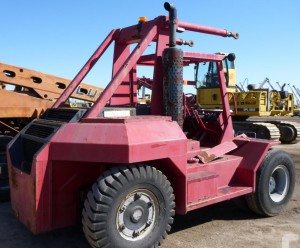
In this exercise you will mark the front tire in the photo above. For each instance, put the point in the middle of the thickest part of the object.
(129, 207)
(275, 184)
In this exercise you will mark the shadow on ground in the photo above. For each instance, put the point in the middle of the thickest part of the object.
(13, 234)
(222, 211)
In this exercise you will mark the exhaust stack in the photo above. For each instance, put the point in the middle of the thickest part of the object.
(173, 72)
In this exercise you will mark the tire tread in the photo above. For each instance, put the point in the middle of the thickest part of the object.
(101, 197)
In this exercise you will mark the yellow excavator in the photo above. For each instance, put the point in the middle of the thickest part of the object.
(266, 106)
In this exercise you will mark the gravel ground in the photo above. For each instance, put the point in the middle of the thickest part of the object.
(222, 225)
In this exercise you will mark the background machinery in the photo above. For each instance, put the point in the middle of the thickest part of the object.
(265, 106)
(26, 94)
(129, 170)
(296, 94)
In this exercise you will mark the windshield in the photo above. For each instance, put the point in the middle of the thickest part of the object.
(206, 75)
(228, 64)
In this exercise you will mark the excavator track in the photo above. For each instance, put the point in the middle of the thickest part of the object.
(261, 130)
(296, 125)
(290, 131)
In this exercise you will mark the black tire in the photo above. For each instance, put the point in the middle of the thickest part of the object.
(261, 201)
(4, 184)
(104, 208)
(4, 140)
(288, 133)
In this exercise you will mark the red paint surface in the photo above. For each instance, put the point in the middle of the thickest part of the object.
(78, 153)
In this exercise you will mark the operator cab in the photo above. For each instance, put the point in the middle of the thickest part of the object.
(206, 74)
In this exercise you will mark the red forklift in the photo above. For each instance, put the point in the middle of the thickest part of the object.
(125, 169)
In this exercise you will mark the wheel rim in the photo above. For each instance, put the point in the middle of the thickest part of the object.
(136, 215)
(279, 183)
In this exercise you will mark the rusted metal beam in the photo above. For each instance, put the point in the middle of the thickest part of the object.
(18, 105)
(216, 152)
(43, 85)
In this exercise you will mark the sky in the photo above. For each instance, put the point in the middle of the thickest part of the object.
(58, 36)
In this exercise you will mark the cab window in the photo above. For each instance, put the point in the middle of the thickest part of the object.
(206, 75)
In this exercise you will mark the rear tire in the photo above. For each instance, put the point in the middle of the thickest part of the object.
(129, 207)
(275, 183)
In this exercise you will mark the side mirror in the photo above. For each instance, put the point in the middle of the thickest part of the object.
(231, 57)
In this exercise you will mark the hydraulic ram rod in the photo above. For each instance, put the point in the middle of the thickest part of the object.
(206, 29)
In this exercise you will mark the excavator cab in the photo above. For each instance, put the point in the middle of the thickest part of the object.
(207, 82)
(256, 101)
(210, 80)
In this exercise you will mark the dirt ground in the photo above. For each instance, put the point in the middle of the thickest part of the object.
(222, 225)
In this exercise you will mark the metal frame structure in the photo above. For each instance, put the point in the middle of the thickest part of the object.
(74, 150)
(27, 93)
